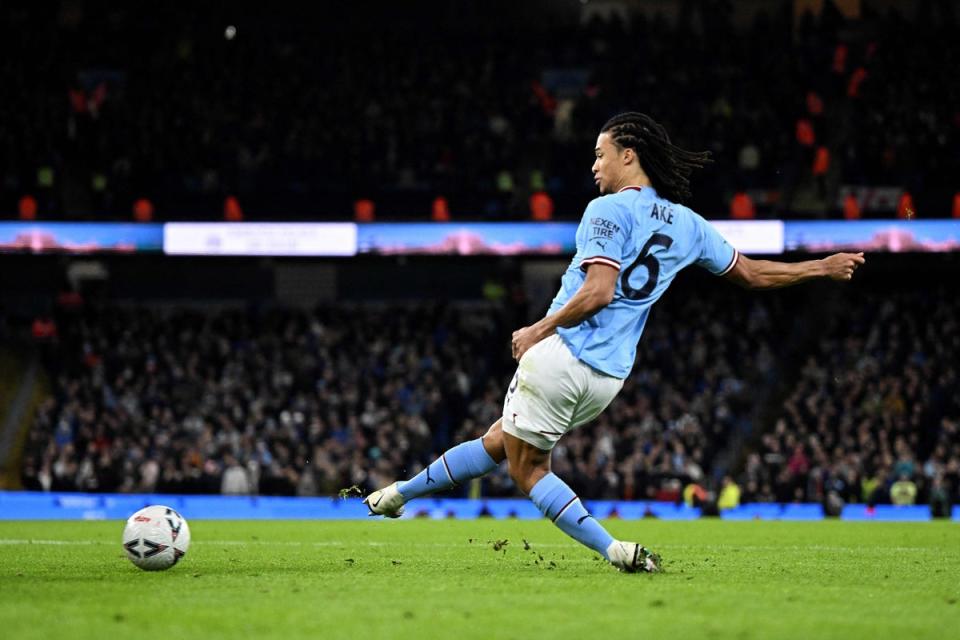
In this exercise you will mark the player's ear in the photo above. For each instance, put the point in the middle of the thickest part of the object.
(629, 156)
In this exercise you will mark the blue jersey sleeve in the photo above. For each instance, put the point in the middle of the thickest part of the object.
(716, 254)
(605, 231)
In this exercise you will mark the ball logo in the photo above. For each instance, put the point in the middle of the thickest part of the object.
(174, 524)
(174, 529)
(142, 519)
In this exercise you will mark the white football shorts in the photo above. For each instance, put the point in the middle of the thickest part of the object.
(553, 392)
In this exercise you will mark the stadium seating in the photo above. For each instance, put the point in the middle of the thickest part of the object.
(875, 402)
(288, 402)
(148, 114)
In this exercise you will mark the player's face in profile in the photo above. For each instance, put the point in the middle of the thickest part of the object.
(605, 166)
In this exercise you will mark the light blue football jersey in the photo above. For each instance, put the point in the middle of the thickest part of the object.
(649, 240)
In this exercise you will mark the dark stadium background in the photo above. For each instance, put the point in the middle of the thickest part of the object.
(283, 376)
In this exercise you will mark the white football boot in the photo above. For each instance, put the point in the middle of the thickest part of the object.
(630, 557)
(385, 502)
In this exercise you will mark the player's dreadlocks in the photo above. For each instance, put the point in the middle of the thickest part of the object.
(667, 165)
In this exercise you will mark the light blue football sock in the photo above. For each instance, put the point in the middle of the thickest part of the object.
(463, 462)
(558, 502)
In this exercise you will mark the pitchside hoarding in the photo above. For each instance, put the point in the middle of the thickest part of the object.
(260, 238)
(345, 239)
(871, 236)
(80, 237)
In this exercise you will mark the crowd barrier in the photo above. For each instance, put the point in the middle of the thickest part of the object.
(26, 505)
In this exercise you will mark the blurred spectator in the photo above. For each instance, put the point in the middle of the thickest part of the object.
(235, 479)
(903, 492)
(694, 495)
(939, 498)
(729, 497)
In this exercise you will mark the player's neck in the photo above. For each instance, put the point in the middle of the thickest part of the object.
(635, 179)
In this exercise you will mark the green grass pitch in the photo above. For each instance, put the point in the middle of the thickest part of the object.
(444, 579)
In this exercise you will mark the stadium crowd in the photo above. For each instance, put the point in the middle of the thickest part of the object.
(291, 402)
(296, 403)
(874, 416)
(118, 106)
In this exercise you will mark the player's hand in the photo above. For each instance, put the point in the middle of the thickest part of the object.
(840, 266)
(523, 339)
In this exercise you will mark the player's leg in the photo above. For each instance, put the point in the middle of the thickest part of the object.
(530, 470)
(554, 393)
(463, 462)
(468, 460)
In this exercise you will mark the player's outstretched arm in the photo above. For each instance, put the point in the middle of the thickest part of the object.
(769, 274)
(595, 293)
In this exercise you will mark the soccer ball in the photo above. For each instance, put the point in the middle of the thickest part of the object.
(156, 537)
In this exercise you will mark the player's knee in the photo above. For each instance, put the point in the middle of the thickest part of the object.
(493, 442)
